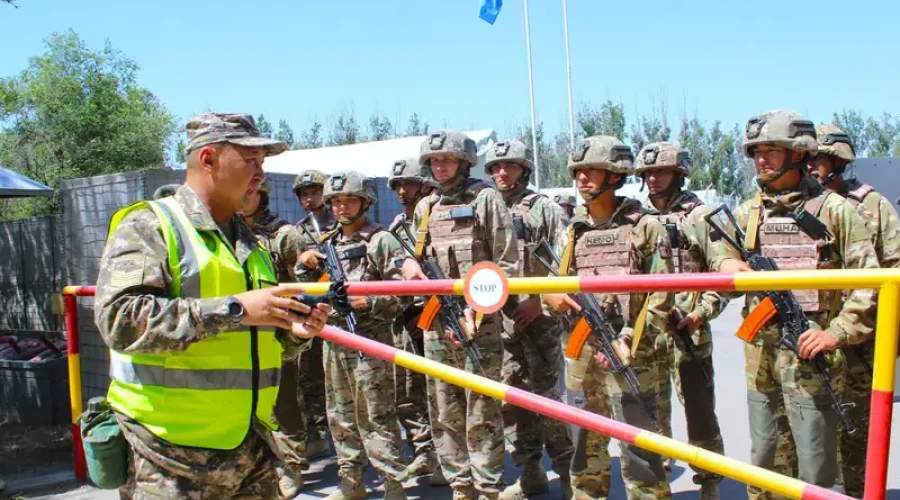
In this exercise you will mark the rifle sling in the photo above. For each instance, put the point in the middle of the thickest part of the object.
(422, 232)
(753, 224)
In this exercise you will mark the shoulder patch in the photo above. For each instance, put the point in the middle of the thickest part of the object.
(127, 272)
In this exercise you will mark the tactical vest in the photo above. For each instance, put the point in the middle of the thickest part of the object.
(685, 259)
(528, 266)
(607, 252)
(781, 239)
(858, 195)
(352, 252)
(207, 395)
(456, 237)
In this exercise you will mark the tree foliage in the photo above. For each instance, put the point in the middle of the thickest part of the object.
(76, 112)
(380, 127)
(416, 126)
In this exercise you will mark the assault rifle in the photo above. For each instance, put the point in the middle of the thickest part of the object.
(333, 271)
(780, 303)
(451, 306)
(594, 321)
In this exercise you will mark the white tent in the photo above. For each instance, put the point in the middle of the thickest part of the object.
(373, 159)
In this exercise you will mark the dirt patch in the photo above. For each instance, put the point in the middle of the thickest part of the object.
(26, 450)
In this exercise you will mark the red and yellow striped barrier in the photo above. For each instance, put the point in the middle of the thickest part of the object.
(70, 297)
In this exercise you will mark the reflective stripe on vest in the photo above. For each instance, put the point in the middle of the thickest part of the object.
(206, 395)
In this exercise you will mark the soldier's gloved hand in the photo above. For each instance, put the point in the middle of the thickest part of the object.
(468, 324)
(691, 321)
(734, 266)
(622, 346)
(812, 342)
(271, 307)
(527, 311)
(313, 324)
(412, 270)
(560, 303)
(310, 258)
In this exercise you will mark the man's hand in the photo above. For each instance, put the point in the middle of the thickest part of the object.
(734, 266)
(468, 324)
(691, 321)
(412, 270)
(310, 258)
(623, 348)
(527, 311)
(359, 303)
(313, 324)
(812, 342)
(271, 307)
(561, 303)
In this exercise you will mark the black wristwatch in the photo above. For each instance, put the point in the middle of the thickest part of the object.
(235, 309)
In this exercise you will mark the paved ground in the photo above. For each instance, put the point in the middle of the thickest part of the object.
(732, 410)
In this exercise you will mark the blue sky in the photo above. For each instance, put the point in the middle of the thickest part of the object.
(302, 59)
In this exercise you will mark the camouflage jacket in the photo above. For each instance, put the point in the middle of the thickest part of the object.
(306, 228)
(883, 223)
(695, 240)
(849, 246)
(283, 241)
(649, 250)
(133, 308)
(542, 219)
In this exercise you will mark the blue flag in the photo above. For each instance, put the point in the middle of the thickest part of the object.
(490, 9)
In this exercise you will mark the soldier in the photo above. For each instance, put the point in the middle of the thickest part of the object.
(612, 235)
(309, 188)
(359, 390)
(408, 181)
(532, 355)
(567, 202)
(664, 167)
(828, 166)
(780, 143)
(184, 284)
(284, 243)
(466, 222)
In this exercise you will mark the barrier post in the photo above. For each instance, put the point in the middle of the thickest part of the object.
(74, 359)
(878, 452)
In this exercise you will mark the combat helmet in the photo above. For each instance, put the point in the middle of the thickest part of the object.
(448, 142)
(781, 128)
(835, 142)
(602, 152)
(659, 155)
(351, 183)
(165, 190)
(309, 178)
(513, 152)
(409, 169)
(564, 199)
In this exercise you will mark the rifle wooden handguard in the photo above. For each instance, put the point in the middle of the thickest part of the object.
(756, 320)
(431, 310)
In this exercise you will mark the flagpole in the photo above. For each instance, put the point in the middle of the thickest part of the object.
(569, 86)
(534, 141)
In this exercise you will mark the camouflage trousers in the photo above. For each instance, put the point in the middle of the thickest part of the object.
(531, 361)
(608, 393)
(467, 427)
(776, 377)
(697, 397)
(857, 390)
(291, 418)
(665, 353)
(412, 395)
(158, 469)
(311, 397)
(361, 412)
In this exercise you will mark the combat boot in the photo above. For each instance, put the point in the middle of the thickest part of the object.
(349, 489)
(290, 482)
(464, 493)
(426, 463)
(317, 448)
(393, 490)
(437, 478)
(709, 490)
(532, 482)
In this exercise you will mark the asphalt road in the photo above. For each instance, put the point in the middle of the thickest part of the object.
(732, 410)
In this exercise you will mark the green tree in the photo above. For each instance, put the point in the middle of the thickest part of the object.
(380, 127)
(77, 112)
(853, 124)
(344, 128)
(285, 134)
(882, 136)
(416, 126)
(312, 138)
(265, 128)
(692, 137)
(609, 119)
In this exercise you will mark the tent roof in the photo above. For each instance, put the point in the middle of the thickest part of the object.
(373, 159)
(14, 185)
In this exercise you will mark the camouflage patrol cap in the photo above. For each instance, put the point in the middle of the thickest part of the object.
(834, 142)
(448, 142)
(602, 152)
(511, 151)
(165, 190)
(234, 128)
(564, 199)
(780, 128)
(659, 155)
(309, 178)
(351, 183)
(409, 169)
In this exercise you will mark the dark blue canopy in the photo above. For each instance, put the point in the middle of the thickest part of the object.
(14, 185)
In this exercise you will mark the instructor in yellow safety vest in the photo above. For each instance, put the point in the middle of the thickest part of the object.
(188, 302)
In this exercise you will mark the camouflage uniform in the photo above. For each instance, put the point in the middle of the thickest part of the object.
(883, 225)
(629, 243)
(532, 357)
(466, 426)
(311, 378)
(359, 389)
(692, 246)
(567, 203)
(411, 391)
(774, 373)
